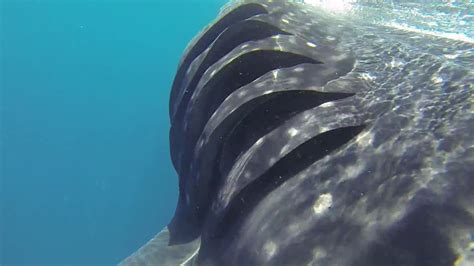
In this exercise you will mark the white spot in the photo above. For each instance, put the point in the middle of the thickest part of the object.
(322, 204)
(259, 141)
(367, 76)
(330, 38)
(310, 44)
(270, 249)
(294, 228)
(292, 132)
(284, 20)
(327, 105)
(298, 69)
(213, 73)
(242, 93)
(245, 46)
(275, 74)
(396, 63)
(284, 149)
(451, 56)
(365, 139)
(319, 253)
(324, 129)
(267, 92)
(272, 161)
(355, 170)
(436, 79)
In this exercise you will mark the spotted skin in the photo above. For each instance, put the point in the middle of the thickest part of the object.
(320, 140)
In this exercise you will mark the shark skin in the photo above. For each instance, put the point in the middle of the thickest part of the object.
(301, 137)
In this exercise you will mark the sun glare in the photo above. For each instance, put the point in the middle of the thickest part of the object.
(339, 6)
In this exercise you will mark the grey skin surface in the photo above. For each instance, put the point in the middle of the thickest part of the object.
(305, 138)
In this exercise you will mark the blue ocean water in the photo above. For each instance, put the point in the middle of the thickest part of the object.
(86, 176)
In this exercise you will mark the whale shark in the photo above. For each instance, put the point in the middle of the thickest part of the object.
(301, 137)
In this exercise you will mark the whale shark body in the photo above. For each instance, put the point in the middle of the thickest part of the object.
(304, 138)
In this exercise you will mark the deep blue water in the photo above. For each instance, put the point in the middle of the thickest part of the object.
(86, 176)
